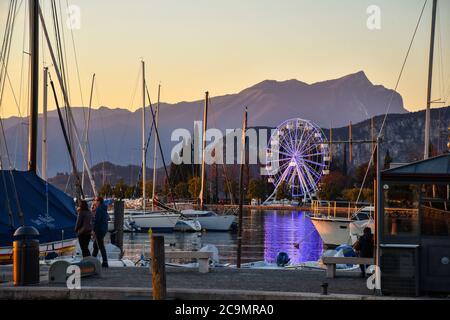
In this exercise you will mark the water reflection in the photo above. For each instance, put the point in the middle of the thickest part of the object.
(265, 234)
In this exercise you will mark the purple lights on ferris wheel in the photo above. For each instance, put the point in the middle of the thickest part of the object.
(300, 152)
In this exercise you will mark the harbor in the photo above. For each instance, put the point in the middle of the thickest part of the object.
(214, 181)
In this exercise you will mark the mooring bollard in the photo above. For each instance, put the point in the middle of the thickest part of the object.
(324, 288)
(26, 257)
(158, 268)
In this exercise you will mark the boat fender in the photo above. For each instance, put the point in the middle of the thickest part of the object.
(282, 259)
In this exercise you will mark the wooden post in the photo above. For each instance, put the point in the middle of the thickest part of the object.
(117, 235)
(335, 209)
(158, 268)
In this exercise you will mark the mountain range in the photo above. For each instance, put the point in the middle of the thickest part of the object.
(115, 134)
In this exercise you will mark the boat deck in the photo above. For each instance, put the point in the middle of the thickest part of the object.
(183, 283)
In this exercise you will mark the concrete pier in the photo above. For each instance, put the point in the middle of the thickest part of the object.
(189, 284)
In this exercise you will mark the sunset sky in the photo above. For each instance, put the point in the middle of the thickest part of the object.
(225, 46)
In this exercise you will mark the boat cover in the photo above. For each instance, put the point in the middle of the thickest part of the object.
(44, 207)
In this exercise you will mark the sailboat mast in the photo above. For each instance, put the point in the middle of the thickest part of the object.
(154, 149)
(44, 126)
(430, 82)
(205, 126)
(143, 136)
(34, 83)
(241, 189)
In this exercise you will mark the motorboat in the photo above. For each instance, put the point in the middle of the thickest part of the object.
(210, 220)
(335, 231)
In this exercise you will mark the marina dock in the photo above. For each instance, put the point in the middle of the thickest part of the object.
(189, 284)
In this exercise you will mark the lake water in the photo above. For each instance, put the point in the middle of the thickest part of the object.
(265, 234)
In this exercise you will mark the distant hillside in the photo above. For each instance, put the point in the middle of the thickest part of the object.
(115, 134)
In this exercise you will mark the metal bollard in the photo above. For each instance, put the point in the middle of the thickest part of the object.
(26, 257)
(324, 288)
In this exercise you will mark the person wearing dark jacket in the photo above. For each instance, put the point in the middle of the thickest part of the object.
(83, 228)
(365, 247)
(100, 229)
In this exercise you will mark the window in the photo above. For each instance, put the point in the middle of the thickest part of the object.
(435, 209)
(401, 210)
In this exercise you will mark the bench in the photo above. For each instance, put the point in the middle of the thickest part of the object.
(331, 262)
(202, 257)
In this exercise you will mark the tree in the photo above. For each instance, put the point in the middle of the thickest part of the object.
(361, 172)
(131, 192)
(148, 189)
(283, 191)
(231, 189)
(352, 195)
(182, 190)
(256, 189)
(194, 186)
(105, 191)
(332, 185)
(120, 189)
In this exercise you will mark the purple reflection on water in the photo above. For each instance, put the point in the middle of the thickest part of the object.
(292, 233)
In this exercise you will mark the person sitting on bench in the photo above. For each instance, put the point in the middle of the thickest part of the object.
(364, 246)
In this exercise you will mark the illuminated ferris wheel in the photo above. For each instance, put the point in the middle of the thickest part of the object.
(297, 157)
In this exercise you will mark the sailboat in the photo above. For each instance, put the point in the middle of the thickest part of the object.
(25, 198)
(209, 220)
(156, 220)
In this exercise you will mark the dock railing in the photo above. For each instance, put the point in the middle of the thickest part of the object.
(336, 208)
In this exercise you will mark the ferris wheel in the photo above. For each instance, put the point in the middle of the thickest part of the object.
(297, 157)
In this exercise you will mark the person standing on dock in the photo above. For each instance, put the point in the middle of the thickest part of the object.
(100, 229)
(83, 228)
(365, 246)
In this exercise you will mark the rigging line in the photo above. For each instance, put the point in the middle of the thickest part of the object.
(392, 96)
(62, 66)
(6, 55)
(440, 61)
(403, 67)
(22, 63)
(63, 46)
(77, 66)
(124, 131)
(6, 52)
(74, 165)
(105, 146)
(160, 148)
(72, 120)
(6, 36)
(8, 203)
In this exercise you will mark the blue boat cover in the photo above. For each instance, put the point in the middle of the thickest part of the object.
(44, 207)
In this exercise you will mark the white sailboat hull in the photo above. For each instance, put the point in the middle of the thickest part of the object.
(211, 222)
(157, 221)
